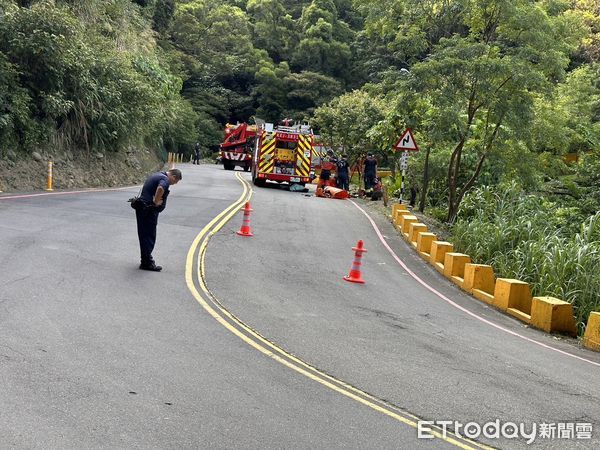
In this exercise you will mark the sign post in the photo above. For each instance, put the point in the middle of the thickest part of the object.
(408, 144)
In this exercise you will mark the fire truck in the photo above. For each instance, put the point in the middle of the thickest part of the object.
(236, 149)
(282, 154)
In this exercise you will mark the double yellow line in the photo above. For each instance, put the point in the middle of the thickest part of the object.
(196, 283)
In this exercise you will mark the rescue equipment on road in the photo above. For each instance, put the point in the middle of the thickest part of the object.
(331, 192)
(245, 229)
(355, 276)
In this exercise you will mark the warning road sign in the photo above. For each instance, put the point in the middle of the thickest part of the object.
(407, 142)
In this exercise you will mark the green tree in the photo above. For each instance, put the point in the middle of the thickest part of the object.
(215, 44)
(274, 30)
(15, 114)
(345, 122)
(307, 90)
(163, 15)
(319, 49)
(481, 82)
(92, 74)
(270, 92)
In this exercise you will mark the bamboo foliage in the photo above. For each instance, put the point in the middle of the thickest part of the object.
(520, 237)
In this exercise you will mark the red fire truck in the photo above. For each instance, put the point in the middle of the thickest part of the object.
(282, 154)
(236, 149)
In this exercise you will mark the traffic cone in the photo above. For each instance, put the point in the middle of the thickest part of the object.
(354, 276)
(245, 229)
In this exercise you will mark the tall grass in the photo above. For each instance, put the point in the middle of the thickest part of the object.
(530, 239)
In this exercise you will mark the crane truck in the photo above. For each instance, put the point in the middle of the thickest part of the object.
(236, 149)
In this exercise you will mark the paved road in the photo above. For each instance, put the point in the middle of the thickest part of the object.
(97, 354)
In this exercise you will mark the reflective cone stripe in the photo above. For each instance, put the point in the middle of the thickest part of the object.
(245, 229)
(303, 152)
(267, 162)
(355, 276)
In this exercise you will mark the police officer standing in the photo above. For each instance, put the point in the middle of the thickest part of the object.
(153, 200)
(343, 173)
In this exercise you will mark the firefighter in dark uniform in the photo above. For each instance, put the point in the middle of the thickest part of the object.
(343, 173)
(370, 172)
(153, 201)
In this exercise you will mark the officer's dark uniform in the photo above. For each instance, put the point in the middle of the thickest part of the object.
(370, 172)
(342, 179)
(197, 154)
(147, 217)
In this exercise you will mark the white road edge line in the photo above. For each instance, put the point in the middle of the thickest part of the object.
(446, 299)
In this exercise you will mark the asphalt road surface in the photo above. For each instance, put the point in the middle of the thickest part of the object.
(258, 342)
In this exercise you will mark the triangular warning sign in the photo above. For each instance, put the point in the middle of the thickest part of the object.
(407, 142)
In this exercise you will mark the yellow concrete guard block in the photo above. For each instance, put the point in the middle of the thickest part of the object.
(406, 221)
(480, 277)
(397, 207)
(514, 297)
(591, 338)
(553, 315)
(414, 229)
(424, 240)
(399, 214)
(454, 266)
(402, 217)
(438, 253)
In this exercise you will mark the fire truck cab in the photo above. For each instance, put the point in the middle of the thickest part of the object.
(282, 154)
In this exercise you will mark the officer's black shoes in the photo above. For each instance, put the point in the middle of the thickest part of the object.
(152, 267)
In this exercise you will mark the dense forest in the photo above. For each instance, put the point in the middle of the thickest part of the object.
(503, 97)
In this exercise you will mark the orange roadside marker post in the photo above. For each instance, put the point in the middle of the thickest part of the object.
(355, 276)
(49, 179)
(245, 229)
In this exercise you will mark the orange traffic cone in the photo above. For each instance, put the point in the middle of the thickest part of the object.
(245, 229)
(354, 276)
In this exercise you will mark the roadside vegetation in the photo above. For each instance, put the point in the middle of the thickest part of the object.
(503, 98)
(529, 238)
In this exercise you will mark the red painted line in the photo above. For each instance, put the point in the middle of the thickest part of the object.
(456, 305)
(41, 194)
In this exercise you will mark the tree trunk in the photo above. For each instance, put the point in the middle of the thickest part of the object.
(425, 185)
(453, 171)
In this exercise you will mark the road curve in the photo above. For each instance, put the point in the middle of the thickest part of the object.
(95, 353)
(431, 351)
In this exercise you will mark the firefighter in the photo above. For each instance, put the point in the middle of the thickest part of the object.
(343, 173)
(370, 172)
(326, 165)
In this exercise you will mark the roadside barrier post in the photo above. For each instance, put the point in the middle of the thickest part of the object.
(49, 182)
(591, 338)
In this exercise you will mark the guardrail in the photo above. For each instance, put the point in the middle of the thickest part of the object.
(509, 295)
